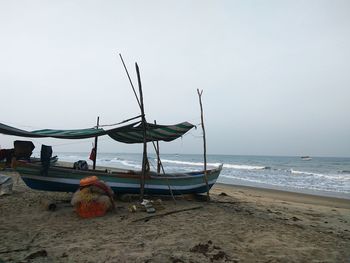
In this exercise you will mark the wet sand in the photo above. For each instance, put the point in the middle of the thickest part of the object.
(239, 224)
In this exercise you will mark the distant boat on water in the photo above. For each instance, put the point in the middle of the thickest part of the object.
(306, 158)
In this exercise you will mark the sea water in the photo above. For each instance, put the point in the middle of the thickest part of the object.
(327, 176)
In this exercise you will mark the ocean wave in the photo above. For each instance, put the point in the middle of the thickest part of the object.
(338, 177)
(246, 167)
(226, 165)
(129, 164)
(189, 163)
(121, 162)
(282, 184)
(305, 173)
(243, 179)
(116, 160)
(104, 160)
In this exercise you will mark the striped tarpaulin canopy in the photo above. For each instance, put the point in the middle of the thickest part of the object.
(60, 134)
(132, 133)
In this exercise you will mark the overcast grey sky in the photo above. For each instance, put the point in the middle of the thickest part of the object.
(275, 74)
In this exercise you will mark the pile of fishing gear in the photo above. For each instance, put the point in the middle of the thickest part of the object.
(93, 198)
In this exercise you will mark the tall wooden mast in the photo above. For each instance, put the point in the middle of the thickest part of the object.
(144, 124)
(145, 164)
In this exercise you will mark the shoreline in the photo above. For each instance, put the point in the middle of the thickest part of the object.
(283, 195)
(305, 191)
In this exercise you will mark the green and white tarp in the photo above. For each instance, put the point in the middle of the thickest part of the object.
(132, 133)
(60, 134)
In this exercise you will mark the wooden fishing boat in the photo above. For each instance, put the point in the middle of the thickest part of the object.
(56, 177)
(64, 179)
(52, 177)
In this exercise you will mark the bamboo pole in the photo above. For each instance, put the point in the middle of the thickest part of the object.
(95, 146)
(144, 155)
(204, 142)
(157, 151)
(143, 122)
(132, 85)
(144, 158)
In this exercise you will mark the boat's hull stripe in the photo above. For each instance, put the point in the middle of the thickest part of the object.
(114, 184)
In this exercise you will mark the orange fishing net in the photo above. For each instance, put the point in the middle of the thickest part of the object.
(91, 209)
(94, 198)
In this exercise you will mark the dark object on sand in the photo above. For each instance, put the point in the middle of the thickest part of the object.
(81, 165)
(6, 184)
(36, 254)
(48, 205)
(45, 153)
(7, 154)
(23, 149)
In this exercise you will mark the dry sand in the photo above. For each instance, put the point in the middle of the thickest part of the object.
(243, 225)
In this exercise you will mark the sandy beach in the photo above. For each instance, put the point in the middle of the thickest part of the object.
(239, 224)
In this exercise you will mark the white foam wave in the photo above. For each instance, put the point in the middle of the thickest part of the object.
(328, 176)
(244, 167)
(305, 173)
(228, 166)
(189, 163)
(280, 184)
(126, 163)
(121, 162)
(243, 179)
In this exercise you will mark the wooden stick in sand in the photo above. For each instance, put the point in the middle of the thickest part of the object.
(167, 213)
(204, 142)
